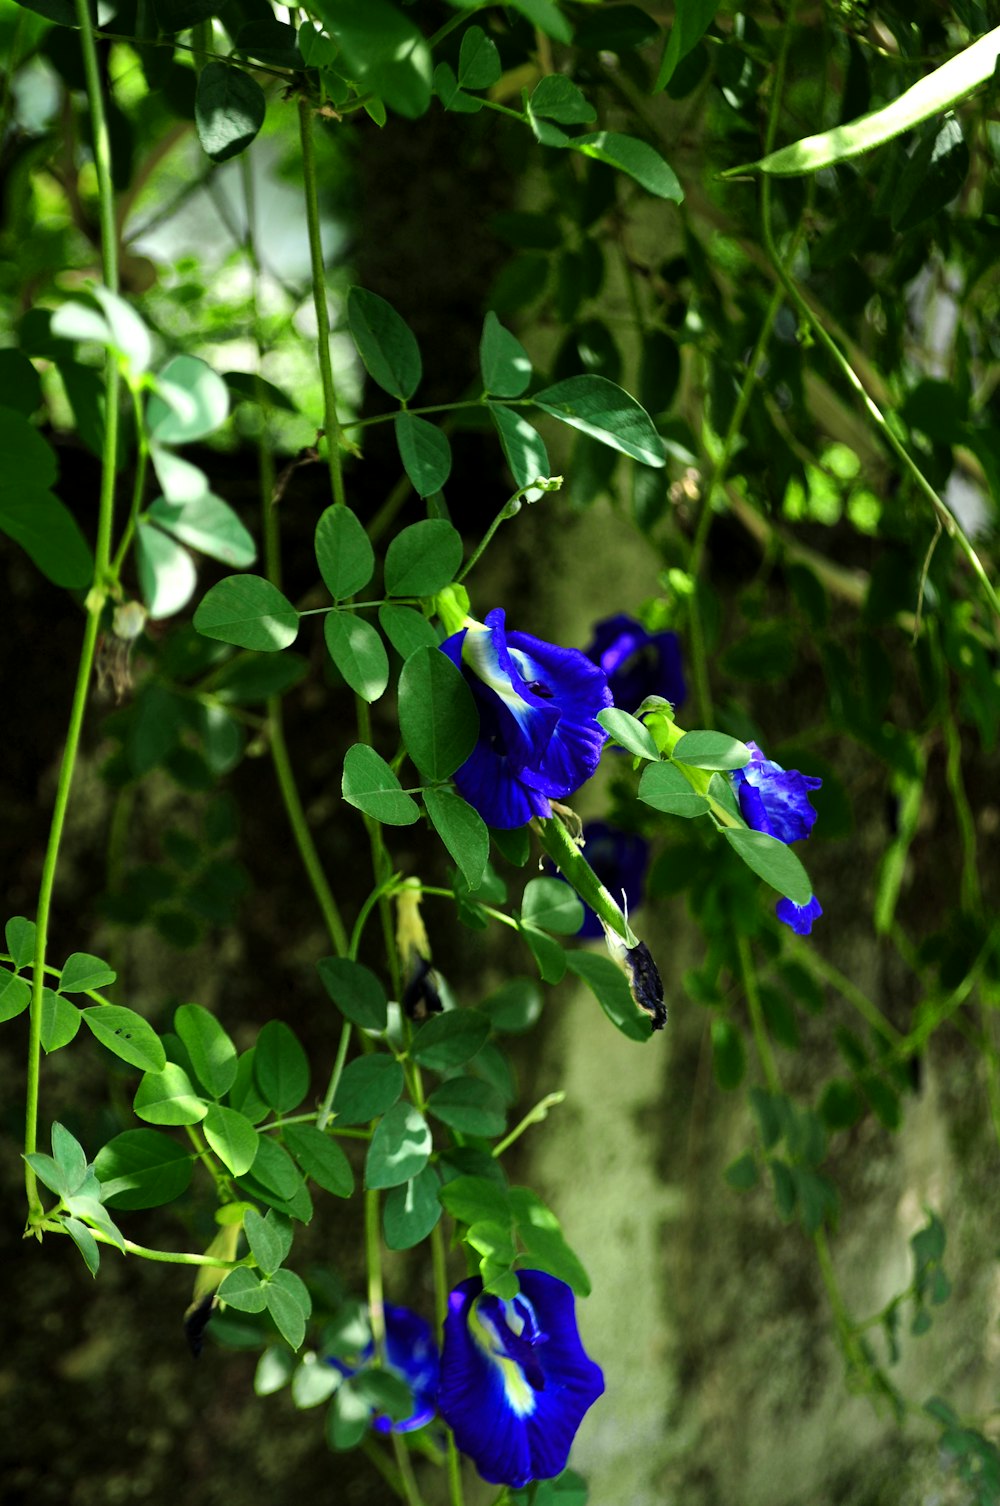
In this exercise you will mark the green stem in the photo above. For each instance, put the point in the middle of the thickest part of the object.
(138, 490)
(573, 866)
(849, 991)
(331, 423)
(96, 598)
(761, 1039)
(944, 514)
(301, 833)
(164, 1257)
(326, 1107)
(381, 866)
(386, 418)
(533, 1116)
(971, 894)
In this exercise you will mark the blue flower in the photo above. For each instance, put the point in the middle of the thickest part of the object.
(799, 917)
(776, 801)
(515, 1381)
(619, 859)
(539, 738)
(637, 663)
(411, 1353)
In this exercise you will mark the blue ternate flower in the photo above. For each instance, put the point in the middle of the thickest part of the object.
(539, 738)
(412, 1354)
(776, 801)
(515, 1381)
(637, 663)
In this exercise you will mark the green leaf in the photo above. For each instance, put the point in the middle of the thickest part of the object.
(479, 63)
(425, 453)
(15, 995)
(772, 861)
(450, 1040)
(540, 1233)
(212, 1053)
(551, 905)
(28, 459)
(438, 719)
(274, 1370)
(49, 1172)
(243, 1290)
(423, 559)
(370, 785)
(711, 750)
(168, 1097)
(358, 652)
(232, 1137)
(80, 322)
(934, 174)
(445, 86)
(251, 387)
(248, 611)
(383, 50)
(46, 530)
(406, 629)
(344, 553)
(412, 1210)
(243, 1094)
(267, 1245)
(60, 1021)
(515, 1006)
(503, 360)
(629, 732)
(190, 401)
(742, 1174)
(19, 934)
(606, 982)
(469, 1106)
(385, 343)
(229, 110)
(604, 410)
(356, 991)
(275, 1178)
(546, 16)
(548, 954)
(142, 1169)
(321, 1158)
(462, 830)
(256, 677)
(348, 1419)
(729, 1056)
(931, 95)
(85, 1243)
(70, 1156)
(664, 788)
(81, 972)
(640, 161)
(167, 575)
(280, 1067)
(691, 21)
(400, 1147)
(523, 448)
(367, 1088)
(472, 1200)
(129, 335)
(209, 525)
(128, 1035)
(20, 384)
(557, 98)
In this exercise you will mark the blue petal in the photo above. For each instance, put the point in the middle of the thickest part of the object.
(775, 800)
(411, 1353)
(515, 1399)
(638, 664)
(799, 917)
(539, 736)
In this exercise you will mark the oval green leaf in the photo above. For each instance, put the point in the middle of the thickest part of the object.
(369, 784)
(128, 1035)
(604, 410)
(462, 830)
(438, 719)
(212, 1053)
(358, 652)
(344, 553)
(356, 991)
(168, 1097)
(142, 1169)
(425, 453)
(400, 1147)
(711, 750)
(321, 1158)
(208, 525)
(232, 1137)
(248, 611)
(229, 110)
(423, 559)
(281, 1067)
(773, 861)
(385, 342)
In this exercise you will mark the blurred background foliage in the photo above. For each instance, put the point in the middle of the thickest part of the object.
(806, 1173)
